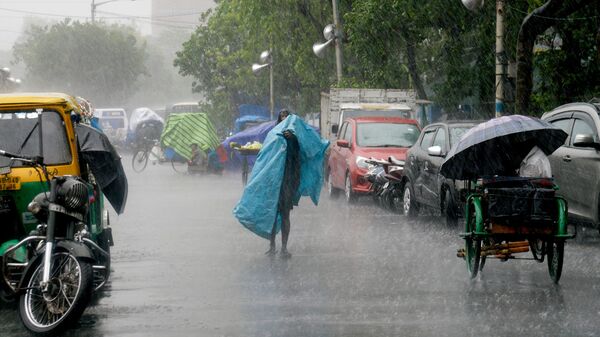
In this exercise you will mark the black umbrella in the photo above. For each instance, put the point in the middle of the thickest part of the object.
(498, 146)
(96, 150)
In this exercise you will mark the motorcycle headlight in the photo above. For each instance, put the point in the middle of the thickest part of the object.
(360, 162)
(39, 206)
(34, 207)
(73, 194)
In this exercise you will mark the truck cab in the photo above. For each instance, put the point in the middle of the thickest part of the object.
(352, 110)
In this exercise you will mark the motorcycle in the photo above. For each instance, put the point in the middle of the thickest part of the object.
(386, 182)
(55, 241)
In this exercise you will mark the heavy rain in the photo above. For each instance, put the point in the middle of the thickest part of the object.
(299, 168)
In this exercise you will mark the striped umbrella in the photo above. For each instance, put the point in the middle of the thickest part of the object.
(184, 129)
(498, 146)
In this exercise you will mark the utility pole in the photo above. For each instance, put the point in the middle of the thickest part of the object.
(93, 11)
(338, 41)
(271, 87)
(500, 58)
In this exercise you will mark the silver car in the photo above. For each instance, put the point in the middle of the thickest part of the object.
(576, 164)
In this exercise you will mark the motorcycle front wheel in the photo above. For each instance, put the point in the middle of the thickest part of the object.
(69, 293)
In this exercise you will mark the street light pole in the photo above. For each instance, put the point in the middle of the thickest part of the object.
(271, 88)
(266, 57)
(500, 58)
(474, 5)
(94, 5)
(338, 40)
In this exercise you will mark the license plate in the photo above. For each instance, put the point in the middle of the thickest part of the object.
(10, 183)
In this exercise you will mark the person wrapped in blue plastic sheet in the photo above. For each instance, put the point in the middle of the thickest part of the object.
(260, 208)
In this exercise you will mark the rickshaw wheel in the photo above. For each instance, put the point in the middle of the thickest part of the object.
(486, 242)
(139, 160)
(555, 252)
(537, 247)
(179, 166)
(472, 248)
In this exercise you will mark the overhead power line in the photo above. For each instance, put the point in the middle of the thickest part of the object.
(554, 18)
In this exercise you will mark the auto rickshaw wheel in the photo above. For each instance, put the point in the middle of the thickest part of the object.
(472, 245)
(139, 160)
(555, 252)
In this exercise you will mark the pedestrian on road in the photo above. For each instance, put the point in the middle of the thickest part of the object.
(289, 187)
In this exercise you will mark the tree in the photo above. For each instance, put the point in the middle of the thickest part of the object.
(96, 61)
(219, 55)
(576, 64)
(438, 47)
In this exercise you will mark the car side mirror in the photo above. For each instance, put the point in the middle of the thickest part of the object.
(435, 151)
(343, 143)
(334, 129)
(585, 140)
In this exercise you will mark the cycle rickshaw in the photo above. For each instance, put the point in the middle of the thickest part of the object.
(506, 214)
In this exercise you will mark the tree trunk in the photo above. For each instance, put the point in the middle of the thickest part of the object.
(533, 25)
(412, 62)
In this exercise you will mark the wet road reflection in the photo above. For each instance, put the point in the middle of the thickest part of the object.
(183, 266)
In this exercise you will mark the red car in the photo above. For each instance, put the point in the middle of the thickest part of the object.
(359, 139)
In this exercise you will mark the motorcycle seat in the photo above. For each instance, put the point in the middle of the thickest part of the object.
(395, 161)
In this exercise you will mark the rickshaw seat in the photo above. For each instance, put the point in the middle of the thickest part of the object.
(520, 199)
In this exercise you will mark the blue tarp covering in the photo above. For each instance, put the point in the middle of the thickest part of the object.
(240, 122)
(257, 209)
(254, 110)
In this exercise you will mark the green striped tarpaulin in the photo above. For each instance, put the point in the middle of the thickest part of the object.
(184, 129)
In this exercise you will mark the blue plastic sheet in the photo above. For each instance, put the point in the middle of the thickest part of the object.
(257, 209)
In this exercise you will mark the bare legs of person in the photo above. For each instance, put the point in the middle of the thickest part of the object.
(285, 232)
(272, 250)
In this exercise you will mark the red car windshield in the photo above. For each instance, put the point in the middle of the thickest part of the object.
(386, 134)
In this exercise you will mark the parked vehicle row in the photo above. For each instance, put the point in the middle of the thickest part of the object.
(363, 141)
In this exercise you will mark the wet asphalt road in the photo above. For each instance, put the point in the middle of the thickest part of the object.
(183, 266)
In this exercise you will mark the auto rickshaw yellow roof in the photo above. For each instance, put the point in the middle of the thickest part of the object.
(37, 98)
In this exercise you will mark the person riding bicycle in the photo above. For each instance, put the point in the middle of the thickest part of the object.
(147, 134)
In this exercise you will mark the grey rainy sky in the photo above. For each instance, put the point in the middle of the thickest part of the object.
(136, 12)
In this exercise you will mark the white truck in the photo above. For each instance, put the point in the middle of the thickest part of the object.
(341, 103)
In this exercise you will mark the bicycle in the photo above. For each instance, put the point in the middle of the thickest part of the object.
(142, 156)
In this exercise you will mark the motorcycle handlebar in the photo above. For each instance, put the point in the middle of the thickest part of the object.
(23, 158)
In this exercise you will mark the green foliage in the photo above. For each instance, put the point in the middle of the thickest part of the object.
(220, 53)
(99, 62)
(570, 69)
(454, 53)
